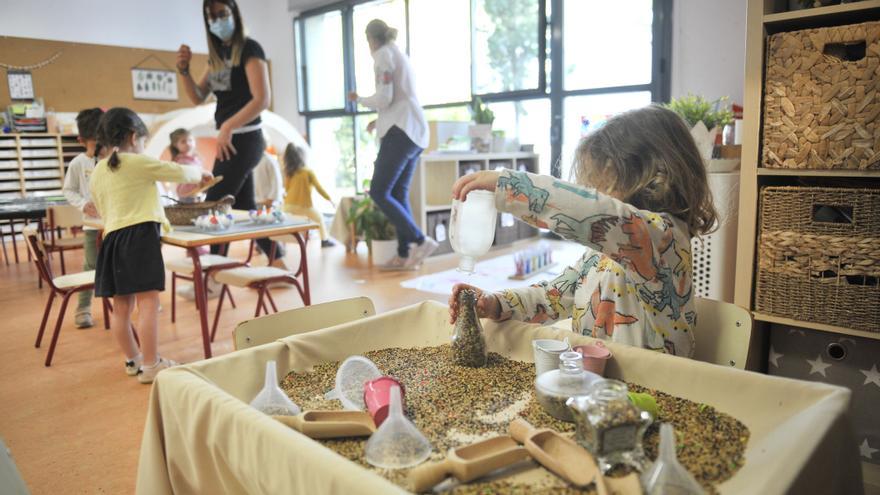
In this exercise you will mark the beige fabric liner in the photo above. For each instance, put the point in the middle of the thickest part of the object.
(202, 437)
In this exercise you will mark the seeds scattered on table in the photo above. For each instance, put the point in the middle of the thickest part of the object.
(453, 404)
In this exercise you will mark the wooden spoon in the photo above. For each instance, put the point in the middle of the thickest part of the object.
(559, 454)
(331, 424)
(468, 463)
(208, 185)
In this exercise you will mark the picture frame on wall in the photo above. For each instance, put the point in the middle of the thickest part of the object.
(154, 84)
(21, 85)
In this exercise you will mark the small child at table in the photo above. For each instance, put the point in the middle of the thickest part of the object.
(183, 151)
(641, 195)
(130, 268)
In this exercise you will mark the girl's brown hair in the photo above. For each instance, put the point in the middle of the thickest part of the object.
(116, 127)
(215, 44)
(176, 136)
(381, 32)
(293, 160)
(647, 158)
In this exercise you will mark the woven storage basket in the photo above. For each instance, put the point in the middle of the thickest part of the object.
(822, 98)
(819, 255)
(184, 214)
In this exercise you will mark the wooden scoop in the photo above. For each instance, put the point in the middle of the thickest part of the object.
(331, 424)
(559, 454)
(208, 185)
(626, 485)
(468, 463)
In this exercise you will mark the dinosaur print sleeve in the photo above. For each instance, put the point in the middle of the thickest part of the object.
(634, 238)
(543, 302)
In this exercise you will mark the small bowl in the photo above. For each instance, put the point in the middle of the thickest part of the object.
(595, 357)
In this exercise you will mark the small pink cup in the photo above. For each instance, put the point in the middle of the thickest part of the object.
(377, 397)
(596, 355)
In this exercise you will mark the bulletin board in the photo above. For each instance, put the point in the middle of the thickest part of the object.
(86, 75)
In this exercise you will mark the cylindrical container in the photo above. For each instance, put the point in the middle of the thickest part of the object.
(377, 397)
(546, 352)
(472, 227)
(596, 355)
(555, 387)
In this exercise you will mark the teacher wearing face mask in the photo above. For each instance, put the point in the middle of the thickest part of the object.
(238, 76)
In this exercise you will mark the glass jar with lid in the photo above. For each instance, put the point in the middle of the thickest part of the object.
(553, 388)
(609, 425)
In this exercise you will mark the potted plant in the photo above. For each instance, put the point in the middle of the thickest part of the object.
(480, 131)
(705, 118)
(369, 222)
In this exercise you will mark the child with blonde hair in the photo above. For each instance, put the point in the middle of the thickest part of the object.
(641, 195)
(130, 268)
(299, 181)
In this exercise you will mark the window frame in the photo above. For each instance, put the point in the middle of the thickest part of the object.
(550, 85)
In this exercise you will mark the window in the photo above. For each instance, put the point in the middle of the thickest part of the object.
(367, 147)
(588, 112)
(440, 50)
(505, 45)
(332, 154)
(526, 121)
(322, 54)
(394, 14)
(607, 43)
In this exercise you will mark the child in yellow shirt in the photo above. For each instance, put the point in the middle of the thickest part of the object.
(298, 182)
(130, 268)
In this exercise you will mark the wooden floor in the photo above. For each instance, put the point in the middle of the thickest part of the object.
(76, 426)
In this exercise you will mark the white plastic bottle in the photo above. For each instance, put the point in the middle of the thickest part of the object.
(472, 227)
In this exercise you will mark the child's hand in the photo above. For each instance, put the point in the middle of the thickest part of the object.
(484, 180)
(206, 177)
(90, 210)
(488, 305)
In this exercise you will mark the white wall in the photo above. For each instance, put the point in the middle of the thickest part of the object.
(159, 25)
(708, 48)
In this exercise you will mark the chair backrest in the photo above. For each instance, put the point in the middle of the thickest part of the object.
(38, 251)
(64, 217)
(723, 333)
(300, 320)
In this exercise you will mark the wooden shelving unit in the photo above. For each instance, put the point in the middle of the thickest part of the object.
(431, 197)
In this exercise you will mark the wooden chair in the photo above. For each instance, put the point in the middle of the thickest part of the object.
(300, 320)
(64, 286)
(64, 218)
(723, 333)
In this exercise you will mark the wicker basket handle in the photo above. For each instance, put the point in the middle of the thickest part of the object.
(847, 45)
(837, 213)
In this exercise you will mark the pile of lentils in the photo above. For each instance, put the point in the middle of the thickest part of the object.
(455, 405)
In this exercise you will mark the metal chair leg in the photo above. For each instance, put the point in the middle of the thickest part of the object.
(61, 255)
(260, 292)
(57, 328)
(217, 313)
(106, 305)
(271, 301)
(45, 319)
(173, 296)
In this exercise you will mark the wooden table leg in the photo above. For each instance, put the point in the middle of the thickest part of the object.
(303, 269)
(14, 245)
(201, 295)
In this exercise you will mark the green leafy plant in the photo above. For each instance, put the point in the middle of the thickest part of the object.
(481, 112)
(694, 109)
(369, 221)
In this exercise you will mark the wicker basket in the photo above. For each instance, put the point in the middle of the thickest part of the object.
(822, 99)
(184, 214)
(819, 255)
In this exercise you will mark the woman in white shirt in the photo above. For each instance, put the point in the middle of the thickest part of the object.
(403, 134)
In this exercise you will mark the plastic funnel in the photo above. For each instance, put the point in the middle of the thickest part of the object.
(397, 443)
(353, 373)
(272, 400)
(667, 475)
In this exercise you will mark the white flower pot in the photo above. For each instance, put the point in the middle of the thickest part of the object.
(381, 252)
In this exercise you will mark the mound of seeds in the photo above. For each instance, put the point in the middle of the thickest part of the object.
(456, 405)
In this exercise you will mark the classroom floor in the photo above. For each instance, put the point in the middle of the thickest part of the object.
(76, 426)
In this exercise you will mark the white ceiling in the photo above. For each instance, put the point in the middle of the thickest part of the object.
(303, 5)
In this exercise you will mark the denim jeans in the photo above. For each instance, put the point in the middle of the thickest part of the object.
(389, 188)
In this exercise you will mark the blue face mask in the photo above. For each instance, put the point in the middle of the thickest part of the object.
(223, 28)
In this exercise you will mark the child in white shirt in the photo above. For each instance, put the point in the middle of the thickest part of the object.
(76, 190)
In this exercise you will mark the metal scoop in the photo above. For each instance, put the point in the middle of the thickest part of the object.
(468, 463)
(331, 424)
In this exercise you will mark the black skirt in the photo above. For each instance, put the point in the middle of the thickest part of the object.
(130, 261)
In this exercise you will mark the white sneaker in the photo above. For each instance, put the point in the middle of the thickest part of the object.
(148, 373)
(133, 366)
(419, 253)
(397, 264)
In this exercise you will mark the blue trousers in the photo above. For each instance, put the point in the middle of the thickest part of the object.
(389, 188)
